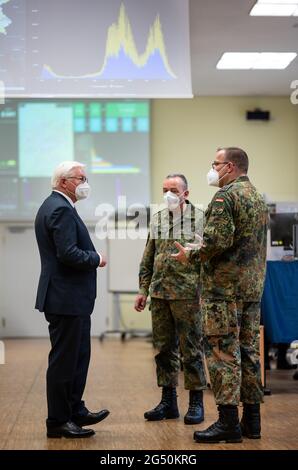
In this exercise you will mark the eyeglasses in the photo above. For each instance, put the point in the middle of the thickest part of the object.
(84, 179)
(218, 163)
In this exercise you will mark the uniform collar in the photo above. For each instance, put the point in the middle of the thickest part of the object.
(240, 178)
(172, 221)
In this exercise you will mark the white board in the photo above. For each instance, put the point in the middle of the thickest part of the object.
(124, 257)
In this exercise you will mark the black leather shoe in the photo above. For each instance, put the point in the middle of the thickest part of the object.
(69, 430)
(91, 418)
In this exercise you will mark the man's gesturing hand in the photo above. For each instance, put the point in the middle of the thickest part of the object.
(181, 255)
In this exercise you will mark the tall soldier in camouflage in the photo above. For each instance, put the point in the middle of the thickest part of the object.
(174, 291)
(233, 257)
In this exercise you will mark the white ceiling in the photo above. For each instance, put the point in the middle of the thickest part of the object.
(218, 26)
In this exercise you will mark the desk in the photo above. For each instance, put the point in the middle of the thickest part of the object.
(279, 304)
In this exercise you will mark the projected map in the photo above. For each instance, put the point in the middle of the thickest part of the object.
(4, 20)
(13, 45)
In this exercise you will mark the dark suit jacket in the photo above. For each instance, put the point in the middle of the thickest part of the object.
(67, 284)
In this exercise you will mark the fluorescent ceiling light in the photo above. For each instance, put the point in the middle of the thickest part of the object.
(280, 2)
(237, 60)
(255, 60)
(275, 8)
(274, 60)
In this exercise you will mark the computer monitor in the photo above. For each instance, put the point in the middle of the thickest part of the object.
(281, 227)
(295, 240)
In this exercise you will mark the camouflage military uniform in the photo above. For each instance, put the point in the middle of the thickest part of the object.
(174, 292)
(233, 260)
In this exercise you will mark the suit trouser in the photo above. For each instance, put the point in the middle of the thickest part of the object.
(232, 333)
(177, 324)
(68, 366)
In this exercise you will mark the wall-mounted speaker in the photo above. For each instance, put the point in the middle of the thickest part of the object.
(258, 115)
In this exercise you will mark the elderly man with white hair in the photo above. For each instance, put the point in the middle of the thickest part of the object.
(66, 294)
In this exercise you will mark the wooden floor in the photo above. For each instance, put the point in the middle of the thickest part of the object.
(122, 379)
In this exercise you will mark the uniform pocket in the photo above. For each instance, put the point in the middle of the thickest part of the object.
(219, 318)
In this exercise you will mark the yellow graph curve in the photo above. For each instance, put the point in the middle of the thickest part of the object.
(120, 35)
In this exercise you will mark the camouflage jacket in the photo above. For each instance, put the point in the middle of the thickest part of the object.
(233, 254)
(160, 274)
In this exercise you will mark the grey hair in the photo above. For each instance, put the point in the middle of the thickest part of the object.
(182, 177)
(64, 170)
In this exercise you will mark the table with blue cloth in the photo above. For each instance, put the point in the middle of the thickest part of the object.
(279, 305)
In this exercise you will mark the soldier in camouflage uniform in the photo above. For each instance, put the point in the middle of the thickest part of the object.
(175, 309)
(233, 257)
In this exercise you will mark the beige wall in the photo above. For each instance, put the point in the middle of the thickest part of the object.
(186, 133)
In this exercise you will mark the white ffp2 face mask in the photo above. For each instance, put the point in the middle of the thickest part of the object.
(172, 200)
(82, 191)
(213, 177)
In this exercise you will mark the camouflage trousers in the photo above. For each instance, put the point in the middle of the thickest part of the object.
(231, 343)
(176, 328)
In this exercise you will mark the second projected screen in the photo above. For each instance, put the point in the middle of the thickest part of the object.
(110, 137)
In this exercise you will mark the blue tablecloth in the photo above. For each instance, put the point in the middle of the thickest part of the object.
(280, 302)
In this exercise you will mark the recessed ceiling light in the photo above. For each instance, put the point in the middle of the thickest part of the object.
(275, 8)
(255, 60)
(280, 2)
(237, 60)
(274, 60)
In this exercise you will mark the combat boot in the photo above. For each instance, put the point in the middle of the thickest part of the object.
(167, 408)
(195, 412)
(226, 429)
(251, 421)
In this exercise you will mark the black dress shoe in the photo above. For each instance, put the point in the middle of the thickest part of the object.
(69, 430)
(90, 418)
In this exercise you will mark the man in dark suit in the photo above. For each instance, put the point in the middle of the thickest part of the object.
(66, 294)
